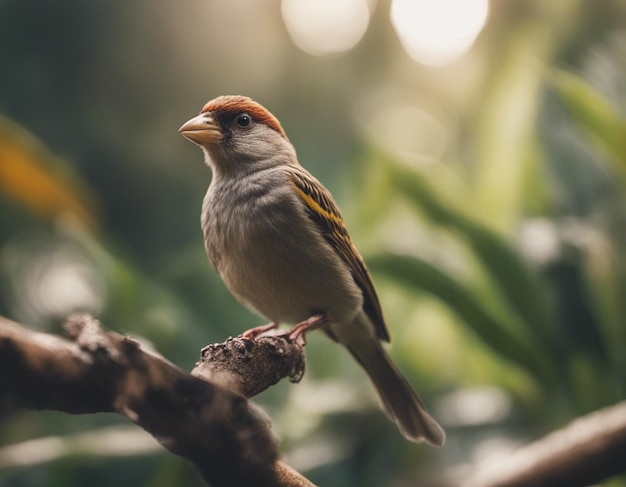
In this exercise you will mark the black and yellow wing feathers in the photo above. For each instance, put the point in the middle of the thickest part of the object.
(324, 212)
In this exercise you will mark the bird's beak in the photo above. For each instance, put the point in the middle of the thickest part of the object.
(202, 129)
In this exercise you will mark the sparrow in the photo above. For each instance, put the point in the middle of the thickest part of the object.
(275, 236)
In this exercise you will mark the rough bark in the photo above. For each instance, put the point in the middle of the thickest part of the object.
(211, 425)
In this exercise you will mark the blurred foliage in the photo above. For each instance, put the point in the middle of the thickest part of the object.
(487, 196)
(32, 178)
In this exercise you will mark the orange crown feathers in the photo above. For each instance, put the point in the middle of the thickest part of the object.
(236, 103)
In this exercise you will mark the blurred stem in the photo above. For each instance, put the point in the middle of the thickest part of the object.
(505, 128)
(603, 285)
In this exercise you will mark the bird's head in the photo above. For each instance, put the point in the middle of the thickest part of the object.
(238, 134)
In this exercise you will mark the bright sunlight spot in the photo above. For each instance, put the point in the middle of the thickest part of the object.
(322, 27)
(438, 33)
(479, 405)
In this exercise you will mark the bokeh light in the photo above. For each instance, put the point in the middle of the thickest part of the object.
(51, 278)
(324, 27)
(438, 33)
(403, 126)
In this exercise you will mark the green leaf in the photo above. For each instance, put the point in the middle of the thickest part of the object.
(504, 128)
(498, 335)
(420, 275)
(516, 281)
(599, 121)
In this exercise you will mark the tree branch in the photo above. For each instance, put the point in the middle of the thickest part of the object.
(588, 450)
(249, 367)
(211, 426)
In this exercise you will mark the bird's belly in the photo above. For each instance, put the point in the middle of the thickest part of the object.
(287, 278)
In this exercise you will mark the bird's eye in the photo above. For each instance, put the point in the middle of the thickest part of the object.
(244, 120)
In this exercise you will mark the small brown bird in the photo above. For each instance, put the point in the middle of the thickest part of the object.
(275, 236)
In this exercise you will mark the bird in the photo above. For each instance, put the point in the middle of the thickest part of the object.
(277, 239)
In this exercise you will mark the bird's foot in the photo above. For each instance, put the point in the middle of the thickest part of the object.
(253, 333)
(297, 332)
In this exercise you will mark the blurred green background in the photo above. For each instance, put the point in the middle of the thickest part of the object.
(478, 153)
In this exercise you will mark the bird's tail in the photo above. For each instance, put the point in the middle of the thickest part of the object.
(398, 397)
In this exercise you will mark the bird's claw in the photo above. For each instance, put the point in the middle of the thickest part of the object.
(257, 331)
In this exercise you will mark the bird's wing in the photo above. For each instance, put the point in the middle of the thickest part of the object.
(324, 212)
